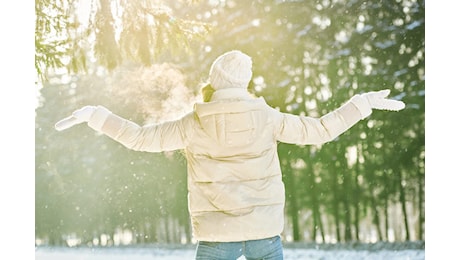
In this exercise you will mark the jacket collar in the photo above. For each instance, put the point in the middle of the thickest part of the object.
(231, 93)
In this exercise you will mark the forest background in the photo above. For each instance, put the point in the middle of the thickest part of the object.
(145, 61)
(24, 206)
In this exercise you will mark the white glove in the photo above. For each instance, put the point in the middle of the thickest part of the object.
(378, 100)
(375, 100)
(78, 116)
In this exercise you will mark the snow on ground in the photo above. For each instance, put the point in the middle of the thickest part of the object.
(187, 252)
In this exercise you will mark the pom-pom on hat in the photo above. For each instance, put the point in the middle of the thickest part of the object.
(232, 69)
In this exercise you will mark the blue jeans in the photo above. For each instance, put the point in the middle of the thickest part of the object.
(268, 248)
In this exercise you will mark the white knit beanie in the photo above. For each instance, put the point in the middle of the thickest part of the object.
(232, 69)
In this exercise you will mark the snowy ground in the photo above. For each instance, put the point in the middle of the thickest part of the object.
(291, 252)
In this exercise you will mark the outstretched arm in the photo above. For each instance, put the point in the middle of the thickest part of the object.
(309, 130)
(78, 116)
(167, 136)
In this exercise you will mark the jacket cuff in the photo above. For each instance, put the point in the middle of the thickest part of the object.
(363, 105)
(98, 118)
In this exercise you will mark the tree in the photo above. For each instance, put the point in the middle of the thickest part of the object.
(70, 33)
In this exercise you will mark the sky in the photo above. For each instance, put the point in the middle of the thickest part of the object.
(17, 128)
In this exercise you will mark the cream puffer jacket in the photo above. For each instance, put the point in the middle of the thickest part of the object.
(235, 189)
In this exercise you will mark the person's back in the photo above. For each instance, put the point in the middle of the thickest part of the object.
(234, 177)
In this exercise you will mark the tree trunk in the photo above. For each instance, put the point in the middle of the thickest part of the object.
(317, 223)
(376, 218)
(421, 200)
(346, 203)
(293, 209)
(185, 223)
(386, 216)
(356, 200)
(336, 205)
(151, 232)
(167, 229)
(402, 200)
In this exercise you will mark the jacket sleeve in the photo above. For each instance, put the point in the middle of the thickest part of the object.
(305, 130)
(166, 136)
